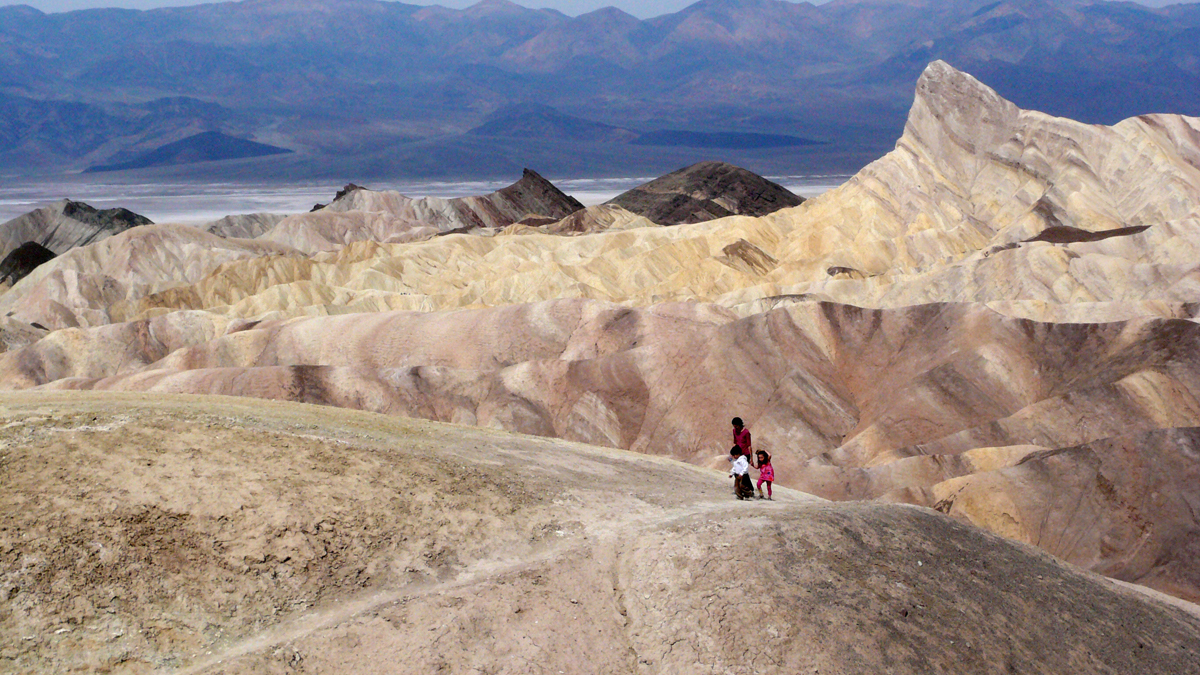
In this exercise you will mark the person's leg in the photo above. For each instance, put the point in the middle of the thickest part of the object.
(769, 496)
(758, 487)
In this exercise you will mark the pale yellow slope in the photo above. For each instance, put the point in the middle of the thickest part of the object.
(943, 218)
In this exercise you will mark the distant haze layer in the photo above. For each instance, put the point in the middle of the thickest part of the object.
(640, 8)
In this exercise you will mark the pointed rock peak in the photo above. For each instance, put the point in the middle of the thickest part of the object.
(533, 179)
(349, 189)
(536, 195)
(942, 85)
(530, 174)
(950, 100)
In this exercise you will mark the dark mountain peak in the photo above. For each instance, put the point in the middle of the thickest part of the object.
(730, 7)
(533, 178)
(704, 5)
(536, 195)
(113, 220)
(64, 225)
(868, 3)
(22, 260)
(701, 178)
(350, 188)
(205, 146)
(306, 6)
(705, 191)
(537, 120)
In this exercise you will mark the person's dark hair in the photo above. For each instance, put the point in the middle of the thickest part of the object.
(735, 450)
(737, 421)
(763, 455)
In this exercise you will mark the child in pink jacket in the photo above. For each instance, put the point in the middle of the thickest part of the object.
(766, 473)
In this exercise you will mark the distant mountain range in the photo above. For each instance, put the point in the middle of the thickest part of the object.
(368, 89)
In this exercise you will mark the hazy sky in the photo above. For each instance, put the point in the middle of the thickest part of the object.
(640, 8)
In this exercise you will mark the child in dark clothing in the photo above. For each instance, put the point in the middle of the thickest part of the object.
(741, 474)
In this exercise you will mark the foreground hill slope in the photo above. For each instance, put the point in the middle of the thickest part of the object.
(212, 535)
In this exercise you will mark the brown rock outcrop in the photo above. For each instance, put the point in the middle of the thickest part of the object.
(22, 260)
(366, 215)
(705, 191)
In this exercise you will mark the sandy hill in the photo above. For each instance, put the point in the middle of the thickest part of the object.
(212, 535)
(994, 319)
(84, 285)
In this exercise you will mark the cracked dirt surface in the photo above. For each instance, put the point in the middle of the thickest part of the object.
(181, 534)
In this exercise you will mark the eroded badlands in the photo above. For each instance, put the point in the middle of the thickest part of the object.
(995, 320)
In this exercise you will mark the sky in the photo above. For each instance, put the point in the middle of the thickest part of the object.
(638, 8)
